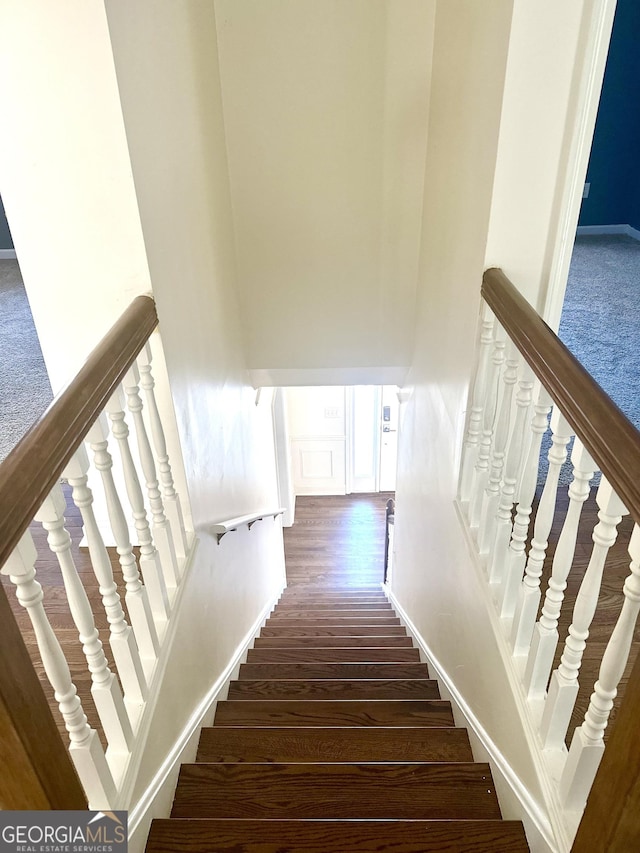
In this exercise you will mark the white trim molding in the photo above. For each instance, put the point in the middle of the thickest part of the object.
(627, 230)
(8, 255)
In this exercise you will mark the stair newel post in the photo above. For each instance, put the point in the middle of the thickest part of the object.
(516, 556)
(529, 593)
(84, 747)
(491, 497)
(149, 557)
(121, 638)
(563, 688)
(161, 529)
(500, 545)
(477, 397)
(587, 744)
(545, 635)
(481, 471)
(172, 505)
(104, 684)
(136, 594)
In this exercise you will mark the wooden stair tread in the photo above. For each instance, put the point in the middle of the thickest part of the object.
(327, 836)
(333, 631)
(332, 642)
(331, 618)
(345, 670)
(372, 688)
(461, 791)
(295, 744)
(331, 612)
(333, 655)
(394, 712)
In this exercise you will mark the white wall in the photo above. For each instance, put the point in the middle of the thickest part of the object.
(317, 421)
(325, 115)
(503, 107)
(115, 186)
(433, 577)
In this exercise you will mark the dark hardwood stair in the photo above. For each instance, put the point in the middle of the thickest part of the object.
(334, 739)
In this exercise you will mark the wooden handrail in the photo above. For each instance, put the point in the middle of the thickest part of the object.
(223, 527)
(33, 467)
(607, 434)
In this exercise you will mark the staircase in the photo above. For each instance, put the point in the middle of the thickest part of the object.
(334, 739)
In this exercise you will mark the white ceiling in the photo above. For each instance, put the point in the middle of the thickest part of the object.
(325, 108)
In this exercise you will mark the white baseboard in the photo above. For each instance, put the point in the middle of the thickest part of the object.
(537, 825)
(8, 255)
(157, 798)
(586, 230)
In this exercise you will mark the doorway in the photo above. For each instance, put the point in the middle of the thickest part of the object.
(342, 439)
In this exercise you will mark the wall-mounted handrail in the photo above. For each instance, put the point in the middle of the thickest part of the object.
(40, 457)
(223, 527)
(607, 434)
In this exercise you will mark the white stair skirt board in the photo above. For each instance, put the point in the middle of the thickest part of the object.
(8, 255)
(539, 832)
(585, 230)
(156, 801)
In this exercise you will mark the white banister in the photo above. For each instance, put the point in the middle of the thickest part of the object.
(545, 636)
(474, 426)
(481, 471)
(502, 533)
(563, 688)
(231, 524)
(85, 747)
(121, 639)
(491, 497)
(136, 594)
(149, 557)
(104, 684)
(516, 557)
(587, 744)
(529, 593)
(172, 505)
(161, 530)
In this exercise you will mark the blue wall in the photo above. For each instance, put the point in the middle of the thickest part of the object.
(614, 166)
(5, 235)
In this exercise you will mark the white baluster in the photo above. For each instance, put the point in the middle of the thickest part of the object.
(516, 557)
(563, 687)
(478, 394)
(587, 744)
(545, 635)
(121, 639)
(491, 497)
(149, 557)
(136, 594)
(529, 594)
(172, 505)
(481, 471)
(85, 747)
(500, 545)
(161, 530)
(104, 684)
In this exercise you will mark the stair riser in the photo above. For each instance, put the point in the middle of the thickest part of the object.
(334, 713)
(398, 642)
(251, 836)
(310, 671)
(326, 689)
(331, 620)
(337, 655)
(333, 631)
